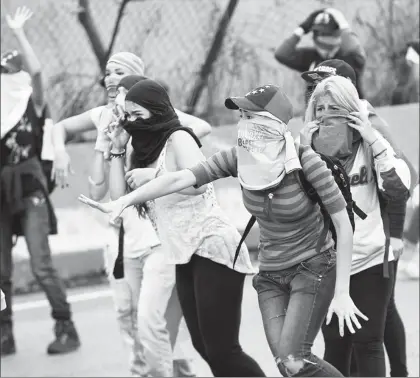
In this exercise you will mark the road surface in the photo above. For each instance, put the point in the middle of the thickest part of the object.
(102, 353)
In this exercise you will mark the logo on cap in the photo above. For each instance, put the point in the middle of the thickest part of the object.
(258, 90)
(330, 70)
(322, 18)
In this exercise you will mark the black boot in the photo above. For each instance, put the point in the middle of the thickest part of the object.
(67, 339)
(7, 340)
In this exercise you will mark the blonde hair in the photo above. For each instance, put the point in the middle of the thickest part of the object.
(341, 90)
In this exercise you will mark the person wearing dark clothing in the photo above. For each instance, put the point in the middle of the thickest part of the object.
(407, 90)
(26, 209)
(333, 39)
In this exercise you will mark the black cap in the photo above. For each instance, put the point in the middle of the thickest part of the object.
(324, 23)
(330, 67)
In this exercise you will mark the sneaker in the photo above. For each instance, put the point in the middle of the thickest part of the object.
(182, 368)
(67, 339)
(7, 340)
(411, 270)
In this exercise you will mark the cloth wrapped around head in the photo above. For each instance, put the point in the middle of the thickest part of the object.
(130, 61)
(150, 135)
(266, 149)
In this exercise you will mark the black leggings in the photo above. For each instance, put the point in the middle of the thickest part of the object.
(394, 339)
(211, 297)
(371, 293)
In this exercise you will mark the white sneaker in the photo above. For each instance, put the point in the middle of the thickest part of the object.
(410, 270)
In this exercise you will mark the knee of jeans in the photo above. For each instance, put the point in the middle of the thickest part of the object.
(41, 267)
(293, 365)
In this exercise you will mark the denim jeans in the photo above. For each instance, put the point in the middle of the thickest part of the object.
(35, 225)
(293, 304)
(371, 293)
(149, 316)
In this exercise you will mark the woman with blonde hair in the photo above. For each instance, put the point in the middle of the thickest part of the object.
(337, 125)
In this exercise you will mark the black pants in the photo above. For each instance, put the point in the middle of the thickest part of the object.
(35, 225)
(371, 293)
(211, 297)
(394, 338)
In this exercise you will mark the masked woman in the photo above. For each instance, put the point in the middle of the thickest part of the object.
(147, 308)
(377, 177)
(197, 235)
(297, 282)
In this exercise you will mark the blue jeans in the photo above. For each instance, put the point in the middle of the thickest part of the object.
(35, 225)
(293, 304)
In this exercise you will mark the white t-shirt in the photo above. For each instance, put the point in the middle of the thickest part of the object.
(139, 233)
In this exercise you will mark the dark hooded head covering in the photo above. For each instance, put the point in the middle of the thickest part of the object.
(149, 136)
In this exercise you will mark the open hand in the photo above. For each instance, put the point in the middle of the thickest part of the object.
(22, 15)
(114, 208)
(346, 311)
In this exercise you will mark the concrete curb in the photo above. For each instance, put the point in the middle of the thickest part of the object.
(81, 267)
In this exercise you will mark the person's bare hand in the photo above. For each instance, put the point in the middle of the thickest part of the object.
(307, 132)
(22, 15)
(61, 168)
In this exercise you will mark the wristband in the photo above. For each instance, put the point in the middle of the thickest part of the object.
(380, 153)
(299, 32)
(117, 154)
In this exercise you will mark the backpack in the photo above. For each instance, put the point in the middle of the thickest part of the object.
(343, 183)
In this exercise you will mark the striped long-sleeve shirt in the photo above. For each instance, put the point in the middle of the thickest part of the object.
(290, 224)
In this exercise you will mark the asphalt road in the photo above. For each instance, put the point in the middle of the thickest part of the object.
(102, 352)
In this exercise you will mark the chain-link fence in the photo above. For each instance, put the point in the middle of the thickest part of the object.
(174, 36)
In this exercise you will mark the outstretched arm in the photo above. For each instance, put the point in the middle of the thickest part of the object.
(30, 60)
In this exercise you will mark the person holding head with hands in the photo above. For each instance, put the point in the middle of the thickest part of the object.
(332, 39)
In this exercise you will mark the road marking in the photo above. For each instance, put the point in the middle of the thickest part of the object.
(72, 299)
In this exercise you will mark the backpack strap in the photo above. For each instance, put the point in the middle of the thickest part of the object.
(358, 211)
(386, 223)
(118, 271)
(313, 196)
(244, 235)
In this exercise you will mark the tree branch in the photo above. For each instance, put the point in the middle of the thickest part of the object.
(116, 28)
(212, 55)
(86, 20)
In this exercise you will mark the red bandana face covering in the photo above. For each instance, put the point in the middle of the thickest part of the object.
(334, 137)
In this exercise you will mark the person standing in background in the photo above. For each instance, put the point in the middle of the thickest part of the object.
(25, 188)
(407, 90)
(410, 265)
(332, 38)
